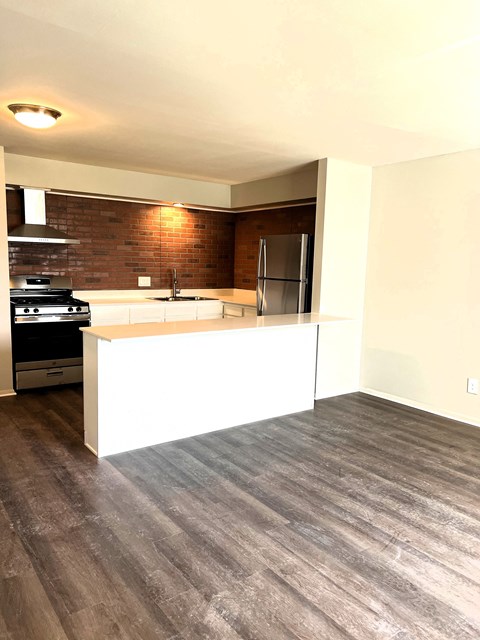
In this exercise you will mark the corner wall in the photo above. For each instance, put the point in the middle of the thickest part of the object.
(6, 382)
(422, 306)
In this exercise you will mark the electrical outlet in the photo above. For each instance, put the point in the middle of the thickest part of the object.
(472, 385)
(144, 281)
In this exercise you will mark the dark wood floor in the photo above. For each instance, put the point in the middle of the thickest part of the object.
(359, 520)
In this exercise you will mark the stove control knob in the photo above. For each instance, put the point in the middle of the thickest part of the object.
(35, 311)
(79, 308)
(70, 308)
(26, 311)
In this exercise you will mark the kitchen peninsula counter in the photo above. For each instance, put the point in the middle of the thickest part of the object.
(159, 329)
(145, 384)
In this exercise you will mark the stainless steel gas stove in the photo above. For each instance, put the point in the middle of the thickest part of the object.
(47, 343)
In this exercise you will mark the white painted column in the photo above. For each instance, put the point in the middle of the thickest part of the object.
(341, 270)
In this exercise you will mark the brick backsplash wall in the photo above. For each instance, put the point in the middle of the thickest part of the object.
(250, 226)
(120, 241)
(200, 244)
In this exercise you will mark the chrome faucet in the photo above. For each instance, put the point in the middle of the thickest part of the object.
(175, 290)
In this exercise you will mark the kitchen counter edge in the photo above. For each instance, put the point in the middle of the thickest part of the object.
(161, 329)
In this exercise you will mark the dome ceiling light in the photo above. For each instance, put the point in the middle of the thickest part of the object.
(34, 115)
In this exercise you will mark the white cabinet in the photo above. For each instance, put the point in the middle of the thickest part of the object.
(209, 310)
(249, 311)
(107, 314)
(147, 313)
(231, 310)
(175, 311)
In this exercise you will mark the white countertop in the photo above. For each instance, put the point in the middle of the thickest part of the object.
(157, 329)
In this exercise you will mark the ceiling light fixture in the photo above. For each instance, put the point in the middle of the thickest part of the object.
(178, 204)
(34, 115)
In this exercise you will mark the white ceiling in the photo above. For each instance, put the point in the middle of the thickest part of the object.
(231, 91)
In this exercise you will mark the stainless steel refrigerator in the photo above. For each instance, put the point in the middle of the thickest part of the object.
(284, 274)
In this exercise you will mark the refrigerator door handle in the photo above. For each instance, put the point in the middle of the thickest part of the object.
(260, 296)
(262, 266)
(301, 298)
(303, 257)
(262, 259)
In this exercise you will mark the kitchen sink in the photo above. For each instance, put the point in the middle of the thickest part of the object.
(181, 298)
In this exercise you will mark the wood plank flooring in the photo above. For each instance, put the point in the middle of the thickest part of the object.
(359, 520)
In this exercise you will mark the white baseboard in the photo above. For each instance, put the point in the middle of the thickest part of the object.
(7, 392)
(420, 405)
(91, 449)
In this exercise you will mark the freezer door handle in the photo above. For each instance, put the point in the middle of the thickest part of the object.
(262, 259)
(262, 267)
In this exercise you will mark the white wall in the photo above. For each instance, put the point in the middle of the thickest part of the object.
(6, 383)
(345, 238)
(342, 272)
(293, 186)
(422, 309)
(69, 176)
(319, 223)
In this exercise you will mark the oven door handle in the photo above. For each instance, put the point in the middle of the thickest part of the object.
(54, 372)
(74, 317)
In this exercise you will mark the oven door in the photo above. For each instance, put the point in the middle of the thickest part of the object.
(47, 341)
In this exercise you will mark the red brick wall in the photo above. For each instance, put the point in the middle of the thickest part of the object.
(121, 241)
(200, 244)
(249, 227)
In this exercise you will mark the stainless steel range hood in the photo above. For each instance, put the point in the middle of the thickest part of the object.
(35, 228)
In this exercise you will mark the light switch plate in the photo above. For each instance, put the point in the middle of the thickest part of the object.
(144, 281)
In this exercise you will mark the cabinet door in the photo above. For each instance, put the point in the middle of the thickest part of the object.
(232, 311)
(249, 311)
(175, 311)
(209, 310)
(108, 314)
(147, 313)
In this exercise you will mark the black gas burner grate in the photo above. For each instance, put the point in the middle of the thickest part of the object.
(45, 300)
